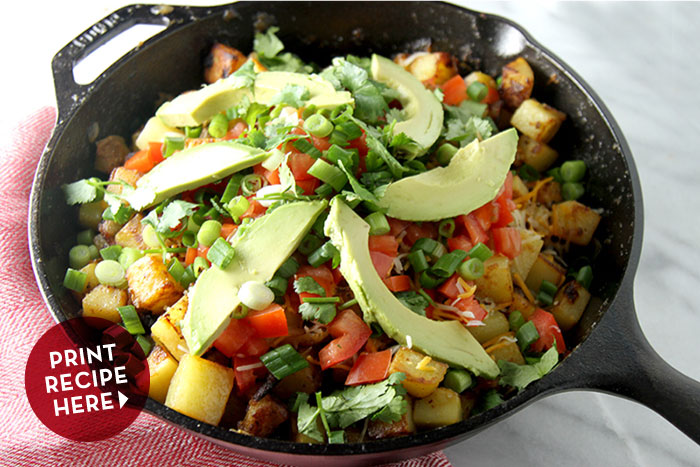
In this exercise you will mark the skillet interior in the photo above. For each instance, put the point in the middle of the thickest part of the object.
(125, 96)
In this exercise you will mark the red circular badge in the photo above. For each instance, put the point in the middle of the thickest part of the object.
(87, 379)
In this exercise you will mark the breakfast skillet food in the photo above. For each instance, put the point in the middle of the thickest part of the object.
(338, 254)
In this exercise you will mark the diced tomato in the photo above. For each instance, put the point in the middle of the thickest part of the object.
(454, 90)
(139, 161)
(398, 283)
(300, 164)
(273, 176)
(227, 228)
(270, 322)
(369, 368)
(202, 251)
(506, 240)
(386, 244)
(235, 129)
(449, 287)
(459, 242)
(254, 211)
(549, 332)
(190, 256)
(476, 233)
(507, 188)
(360, 144)
(254, 347)
(472, 306)
(322, 144)
(415, 231)
(236, 334)
(350, 334)
(308, 186)
(486, 215)
(491, 97)
(505, 206)
(397, 226)
(245, 375)
(322, 275)
(155, 152)
(382, 263)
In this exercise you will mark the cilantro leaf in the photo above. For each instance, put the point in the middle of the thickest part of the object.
(520, 376)
(268, 44)
(321, 312)
(413, 301)
(173, 214)
(393, 411)
(465, 133)
(377, 149)
(363, 193)
(306, 420)
(79, 192)
(244, 77)
(292, 94)
(369, 102)
(116, 210)
(488, 401)
(308, 284)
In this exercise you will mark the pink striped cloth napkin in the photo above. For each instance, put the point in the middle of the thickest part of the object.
(24, 440)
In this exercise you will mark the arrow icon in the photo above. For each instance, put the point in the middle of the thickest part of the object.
(122, 399)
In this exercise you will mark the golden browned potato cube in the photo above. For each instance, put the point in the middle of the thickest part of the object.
(91, 281)
(103, 301)
(574, 222)
(166, 330)
(200, 389)
(431, 68)
(521, 304)
(495, 324)
(517, 82)
(110, 153)
(442, 407)
(532, 152)
(483, 78)
(108, 228)
(161, 368)
(549, 194)
(569, 304)
(519, 187)
(90, 214)
(507, 350)
(125, 175)
(538, 121)
(222, 61)
(263, 416)
(130, 235)
(151, 286)
(496, 283)
(306, 380)
(405, 426)
(544, 268)
(423, 374)
(530, 246)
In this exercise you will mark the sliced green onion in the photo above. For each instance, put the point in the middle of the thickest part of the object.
(571, 191)
(187, 277)
(129, 256)
(545, 298)
(240, 312)
(480, 251)
(427, 245)
(555, 173)
(471, 269)
(324, 253)
(526, 335)
(445, 153)
(548, 288)
(329, 174)
(319, 223)
(320, 300)
(221, 253)
(209, 232)
(528, 173)
(278, 285)
(79, 256)
(515, 320)
(200, 264)
(378, 223)
(499, 80)
(218, 126)
(303, 145)
(131, 319)
(429, 281)
(351, 129)
(192, 225)
(318, 126)
(447, 264)
(171, 144)
(176, 269)
(457, 380)
(150, 236)
(94, 252)
(255, 295)
(349, 157)
(75, 280)
(309, 244)
(477, 91)
(585, 276)
(193, 131)
(418, 261)
(145, 343)
(111, 252)
(338, 138)
(347, 304)
(110, 272)
(251, 183)
(283, 361)
(189, 239)
(573, 171)
(308, 112)
(288, 268)
(86, 237)
(237, 207)
(213, 213)
(415, 166)
(425, 295)
(324, 190)
(232, 187)
(446, 228)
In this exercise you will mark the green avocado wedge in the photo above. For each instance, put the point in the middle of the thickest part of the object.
(422, 109)
(191, 168)
(447, 341)
(259, 252)
(472, 178)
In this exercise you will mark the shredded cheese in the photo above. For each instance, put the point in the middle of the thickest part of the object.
(409, 342)
(423, 364)
(520, 283)
(468, 290)
(520, 201)
(252, 366)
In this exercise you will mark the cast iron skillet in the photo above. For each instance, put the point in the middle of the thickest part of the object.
(610, 353)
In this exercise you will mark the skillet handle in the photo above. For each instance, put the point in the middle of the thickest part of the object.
(617, 358)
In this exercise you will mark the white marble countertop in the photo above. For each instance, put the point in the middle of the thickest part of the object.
(643, 60)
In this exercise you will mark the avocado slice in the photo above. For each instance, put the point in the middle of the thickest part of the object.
(192, 168)
(448, 341)
(322, 94)
(472, 178)
(155, 131)
(423, 110)
(259, 252)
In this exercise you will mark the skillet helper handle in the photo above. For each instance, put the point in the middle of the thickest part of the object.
(618, 359)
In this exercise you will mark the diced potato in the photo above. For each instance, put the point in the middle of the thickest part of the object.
(263, 416)
(496, 283)
(468, 403)
(442, 407)
(161, 368)
(483, 78)
(522, 304)
(125, 175)
(103, 301)
(130, 234)
(91, 281)
(532, 152)
(495, 324)
(544, 268)
(538, 121)
(222, 61)
(418, 382)
(405, 426)
(166, 330)
(307, 380)
(505, 349)
(110, 153)
(549, 194)
(517, 82)
(569, 304)
(200, 389)
(530, 246)
(151, 286)
(574, 222)
(108, 228)
(154, 132)
(519, 187)
(432, 69)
